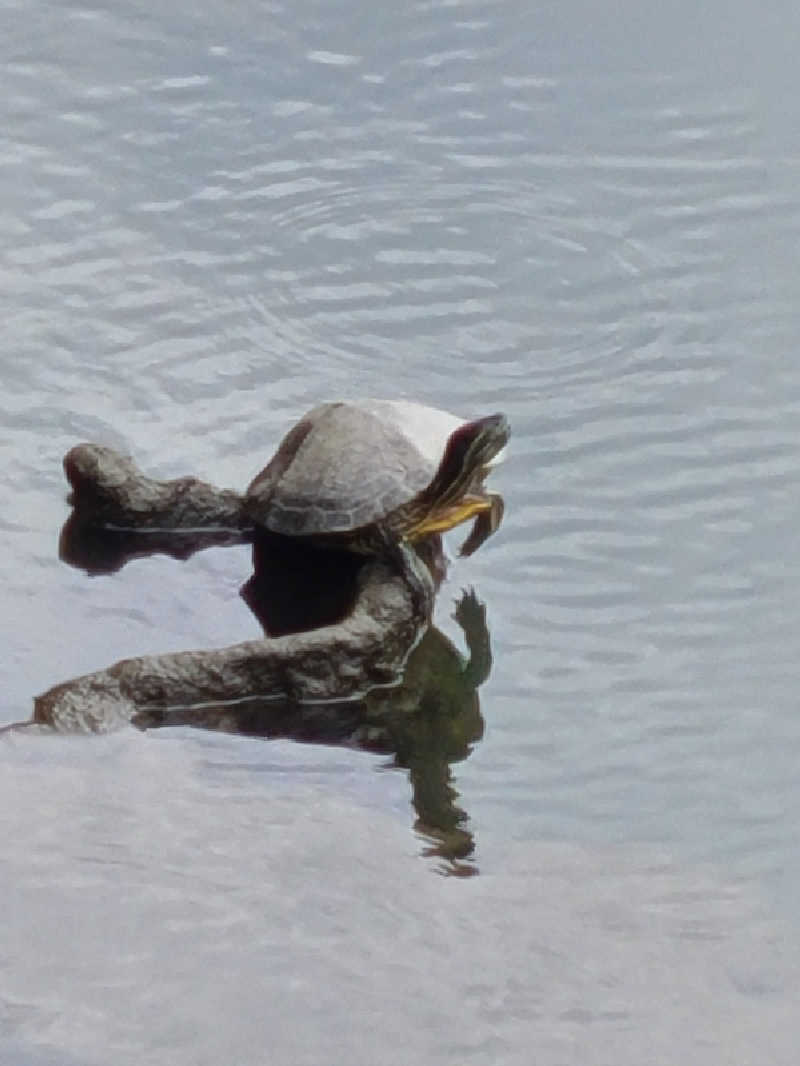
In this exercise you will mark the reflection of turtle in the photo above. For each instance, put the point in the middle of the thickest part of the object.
(369, 474)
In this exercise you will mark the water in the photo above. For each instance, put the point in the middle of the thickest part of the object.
(213, 218)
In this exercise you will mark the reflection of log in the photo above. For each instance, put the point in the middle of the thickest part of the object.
(89, 544)
(367, 649)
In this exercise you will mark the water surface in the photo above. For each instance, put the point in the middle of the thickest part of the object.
(214, 217)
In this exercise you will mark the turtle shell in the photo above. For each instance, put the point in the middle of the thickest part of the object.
(345, 466)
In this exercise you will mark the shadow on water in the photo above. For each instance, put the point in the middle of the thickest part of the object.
(424, 719)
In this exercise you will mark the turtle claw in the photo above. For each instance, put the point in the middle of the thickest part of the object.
(484, 526)
(469, 610)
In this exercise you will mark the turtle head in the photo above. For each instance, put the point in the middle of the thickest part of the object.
(456, 492)
(474, 447)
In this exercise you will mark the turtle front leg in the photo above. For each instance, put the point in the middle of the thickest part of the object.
(486, 523)
(470, 613)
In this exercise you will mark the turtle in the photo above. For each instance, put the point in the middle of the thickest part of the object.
(374, 475)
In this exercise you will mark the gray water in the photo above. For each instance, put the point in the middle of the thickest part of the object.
(588, 217)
